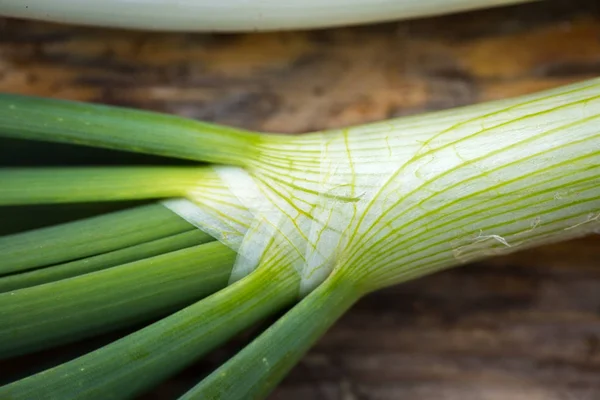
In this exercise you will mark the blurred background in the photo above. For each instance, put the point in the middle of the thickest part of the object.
(522, 327)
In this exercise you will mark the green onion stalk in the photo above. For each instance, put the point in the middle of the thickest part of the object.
(266, 222)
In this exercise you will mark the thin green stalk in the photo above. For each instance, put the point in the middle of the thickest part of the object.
(139, 361)
(25, 117)
(103, 261)
(88, 237)
(42, 316)
(19, 219)
(260, 366)
(20, 186)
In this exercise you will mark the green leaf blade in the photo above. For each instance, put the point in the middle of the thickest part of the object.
(103, 261)
(87, 237)
(140, 360)
(36, 118)
(58, 312)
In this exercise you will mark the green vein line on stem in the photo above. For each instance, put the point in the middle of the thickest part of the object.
(428, 265)
(420, 155)
(457, 184)
(460, 214)
(442, 237)
(519, 213)
(419, 266)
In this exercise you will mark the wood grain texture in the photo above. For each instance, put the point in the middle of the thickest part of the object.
(523, 327)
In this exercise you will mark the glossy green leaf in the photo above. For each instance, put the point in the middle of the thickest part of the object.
(46, 315)
(139, 361)
(103, 261)
(27, 117)
(88, 237)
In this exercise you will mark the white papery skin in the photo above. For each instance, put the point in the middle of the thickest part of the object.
(234, 15)
(391, 201)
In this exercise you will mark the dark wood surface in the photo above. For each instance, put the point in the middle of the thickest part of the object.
(523, 327)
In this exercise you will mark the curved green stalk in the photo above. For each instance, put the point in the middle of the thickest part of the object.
(26, 117)
(42, 316)
(88, 237)
(140, 360)
(20, 219)
(20, 186)
(103, 261)
(258, 368)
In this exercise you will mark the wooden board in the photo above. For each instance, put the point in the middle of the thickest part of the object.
(520, 327)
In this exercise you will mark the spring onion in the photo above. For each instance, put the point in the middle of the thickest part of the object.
(320, 219)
